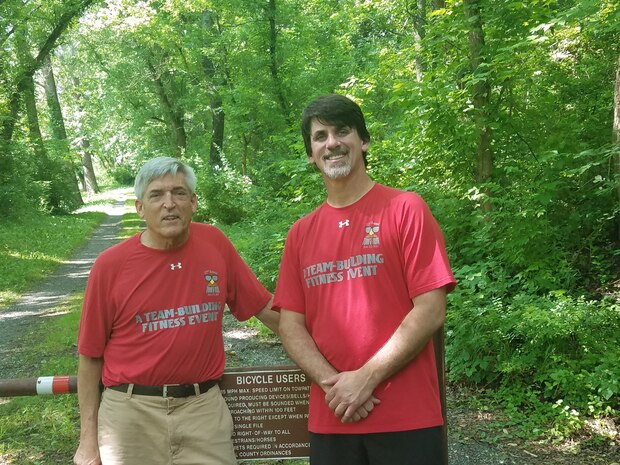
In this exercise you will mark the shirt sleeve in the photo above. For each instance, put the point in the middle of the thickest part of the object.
(289, 287)
(426, 261)
(97, 314)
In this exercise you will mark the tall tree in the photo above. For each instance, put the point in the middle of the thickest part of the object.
(172, 110)
(27, 70)
(418, 15)
(57, 122)
(85, 171)
(278, 85)
(218, 115)
(616, 141)
(89, 178)
(62, 190)
(481, 90)
(34, 128)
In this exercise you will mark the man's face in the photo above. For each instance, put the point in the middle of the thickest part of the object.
(337, 151)
(167, 207)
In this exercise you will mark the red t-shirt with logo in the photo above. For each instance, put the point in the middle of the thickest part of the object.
(155, 316)
(353, 272)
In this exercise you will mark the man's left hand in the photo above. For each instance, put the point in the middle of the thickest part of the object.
(350, 396)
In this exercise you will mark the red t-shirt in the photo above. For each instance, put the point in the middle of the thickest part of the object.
(155, 316)
(353, 272)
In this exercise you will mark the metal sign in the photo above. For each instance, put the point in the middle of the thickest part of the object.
(269, 407)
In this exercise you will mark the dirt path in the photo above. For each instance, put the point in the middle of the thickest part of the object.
(69, 278)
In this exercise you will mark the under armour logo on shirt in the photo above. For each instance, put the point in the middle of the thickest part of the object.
(177, 266)
(342, 224)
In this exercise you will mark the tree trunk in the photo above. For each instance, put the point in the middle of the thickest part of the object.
(8, 126)
(481, 98)
(218, 115)
(419, 32)
(63, 192)
(616, 140)
(174, 118)
(57, 122)
(59, 131)
(86, 175)
(244, 155)
(34, 128)
(90, 180)
(8, 121)
(217, 138)
(273, 60)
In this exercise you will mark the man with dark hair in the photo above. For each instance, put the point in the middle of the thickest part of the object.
(338, 111)
(362, 288)
(151, 333)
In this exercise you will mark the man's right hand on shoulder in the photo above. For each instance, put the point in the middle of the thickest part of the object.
(87, 454)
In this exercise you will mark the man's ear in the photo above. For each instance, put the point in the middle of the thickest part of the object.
(139, 208)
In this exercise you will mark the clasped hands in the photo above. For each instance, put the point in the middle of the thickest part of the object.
(350, 396)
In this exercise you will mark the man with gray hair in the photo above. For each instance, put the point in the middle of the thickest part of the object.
(151, 333)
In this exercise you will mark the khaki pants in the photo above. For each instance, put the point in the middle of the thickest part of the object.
(136, 430)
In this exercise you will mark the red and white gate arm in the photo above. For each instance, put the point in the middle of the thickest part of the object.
(38, 386)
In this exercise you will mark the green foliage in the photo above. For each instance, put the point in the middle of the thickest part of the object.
(18, 195)
(59, 187)
(556, 348)
(224, 195)
(260, 241)
(123, 174)
(296, 190)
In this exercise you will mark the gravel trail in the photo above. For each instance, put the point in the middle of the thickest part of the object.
(69, 278)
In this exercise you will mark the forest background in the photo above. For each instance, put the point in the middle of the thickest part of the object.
(504, 115)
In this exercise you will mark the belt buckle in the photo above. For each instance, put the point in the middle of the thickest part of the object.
(165, 392)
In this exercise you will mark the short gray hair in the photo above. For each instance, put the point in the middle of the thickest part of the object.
(158, 168)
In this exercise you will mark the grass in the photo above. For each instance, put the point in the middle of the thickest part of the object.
(36, 246)
(43, 429)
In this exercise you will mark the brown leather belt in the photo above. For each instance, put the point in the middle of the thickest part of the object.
(167, 390)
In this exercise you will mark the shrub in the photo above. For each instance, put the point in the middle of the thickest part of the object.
(224, 195)
(123, 174)
(560, 347)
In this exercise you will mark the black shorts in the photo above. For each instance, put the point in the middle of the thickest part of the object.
(414, 447)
